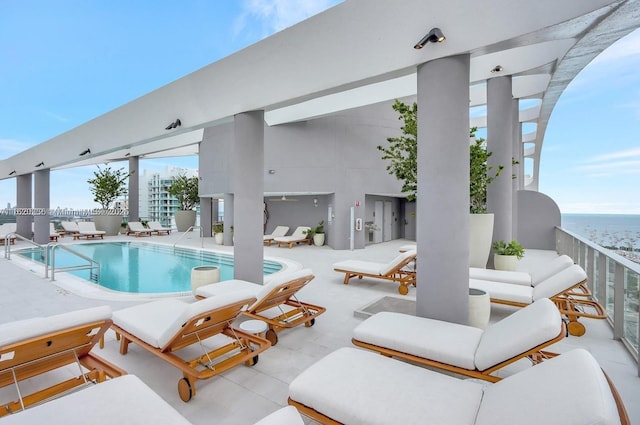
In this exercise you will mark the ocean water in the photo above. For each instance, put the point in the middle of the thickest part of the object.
(617, 230)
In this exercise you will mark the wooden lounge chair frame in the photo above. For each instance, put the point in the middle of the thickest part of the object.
(535, 355)
(159, 230)
(35, 356)
(405, 278)
(244, 348)
(570, 306)
(285, 294)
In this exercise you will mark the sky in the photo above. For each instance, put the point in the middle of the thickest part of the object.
(65, 62)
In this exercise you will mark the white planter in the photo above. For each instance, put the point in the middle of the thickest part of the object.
(110, 224)
(204, 275)
(505, 262)
(479, 308)
(185, 219)
(318, 239)
(480, 236)
(219, 238)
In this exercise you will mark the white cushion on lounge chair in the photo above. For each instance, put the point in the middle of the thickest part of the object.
(279, 231)
(299, 234)
(24, 329)
(548, 288)
(536, 276)
(89, 228)
(460, 345)
(373, 267)
(569, 389)
(285, 416)
(123, 400)
(437, 340)
(357, 387)
(157, 322)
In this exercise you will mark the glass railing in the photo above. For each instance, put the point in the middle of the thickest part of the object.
(613, 281)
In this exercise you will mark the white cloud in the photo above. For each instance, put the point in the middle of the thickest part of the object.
(629, 153)
(275, 15)
(56, 117)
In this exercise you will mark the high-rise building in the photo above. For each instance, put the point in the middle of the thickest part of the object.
(156, 204)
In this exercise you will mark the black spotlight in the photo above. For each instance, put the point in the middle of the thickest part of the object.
(434, 36)
(84, 152)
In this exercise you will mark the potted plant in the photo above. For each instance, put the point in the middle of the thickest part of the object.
(106, 186)
(317, 233)
(185, 189)
(218, 232)
(402, 152)
(506, 255)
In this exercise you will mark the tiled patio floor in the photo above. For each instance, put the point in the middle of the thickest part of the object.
(246, 394)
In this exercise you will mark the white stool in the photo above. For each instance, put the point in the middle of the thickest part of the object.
(479, 308)
(255, 327)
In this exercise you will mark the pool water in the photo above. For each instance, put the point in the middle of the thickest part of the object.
(144, 268)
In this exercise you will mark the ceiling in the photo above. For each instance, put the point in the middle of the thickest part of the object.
(357, 53)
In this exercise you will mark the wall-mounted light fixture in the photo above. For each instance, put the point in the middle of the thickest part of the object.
(12, 173)
(272, 171)
(498, 68)
(84, 152)
(40, 164)
(315, 202)
(127, 154)
(434, 36)
(177, 123)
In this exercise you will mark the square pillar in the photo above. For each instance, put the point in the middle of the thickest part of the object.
(41, 217)
(24, 195)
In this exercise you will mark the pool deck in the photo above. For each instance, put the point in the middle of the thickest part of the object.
(246, 394)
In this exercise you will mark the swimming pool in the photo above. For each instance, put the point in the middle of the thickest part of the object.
(145, 268)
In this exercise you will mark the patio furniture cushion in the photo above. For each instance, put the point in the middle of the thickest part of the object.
(559, 282)
(284, 416)
(569, 389)
(504, 291)
(357, 387)
(157, 322)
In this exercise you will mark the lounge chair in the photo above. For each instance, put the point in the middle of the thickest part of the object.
(33, 347)
(357, 387)
(523, 278)
(397, 270)
(53, 233)
(279, 231)
(276, 302)
(124, 401)
(87, 229)
(136, 228)
(70, 227)
(298, 236)
(158, 228)
(5, 230)
(166, 326)
(462, 349)
(559, 288)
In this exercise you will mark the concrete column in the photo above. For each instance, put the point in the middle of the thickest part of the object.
(517, 152)
(41, 207)
(205, 216)
(215, 209)
(24, 195)
(443, 189)
(248, 188)
(134, 189)
(500, 143)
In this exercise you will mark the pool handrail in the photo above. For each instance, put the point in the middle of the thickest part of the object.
(51, 252)
(187, 231)
(7, 243)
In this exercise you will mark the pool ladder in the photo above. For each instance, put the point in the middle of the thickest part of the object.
(93, 266)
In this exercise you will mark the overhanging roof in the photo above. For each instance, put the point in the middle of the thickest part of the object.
(356, 53)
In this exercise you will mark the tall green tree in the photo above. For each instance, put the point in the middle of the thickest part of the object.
(402, 154)
(107, 185)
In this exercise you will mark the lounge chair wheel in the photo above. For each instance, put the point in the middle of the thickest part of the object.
(310, 323)
(184, 389)
(272, 336)
(576, 328)
(403, 290)
(254, 361)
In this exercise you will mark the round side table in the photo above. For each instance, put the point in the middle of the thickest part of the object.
(479, 308)
(255, 327)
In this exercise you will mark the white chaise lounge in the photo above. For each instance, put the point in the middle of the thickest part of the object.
(464, 349)
(157, 228)
(357, 387)
(31, 348)
(397, 270)
(532, 278)
(298, 236)
(559, 288)
(276, 301)
(278, 232)
(137, 229)
(5, 230)
(87, 229)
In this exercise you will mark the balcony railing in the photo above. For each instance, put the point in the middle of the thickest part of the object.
(613, 280)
